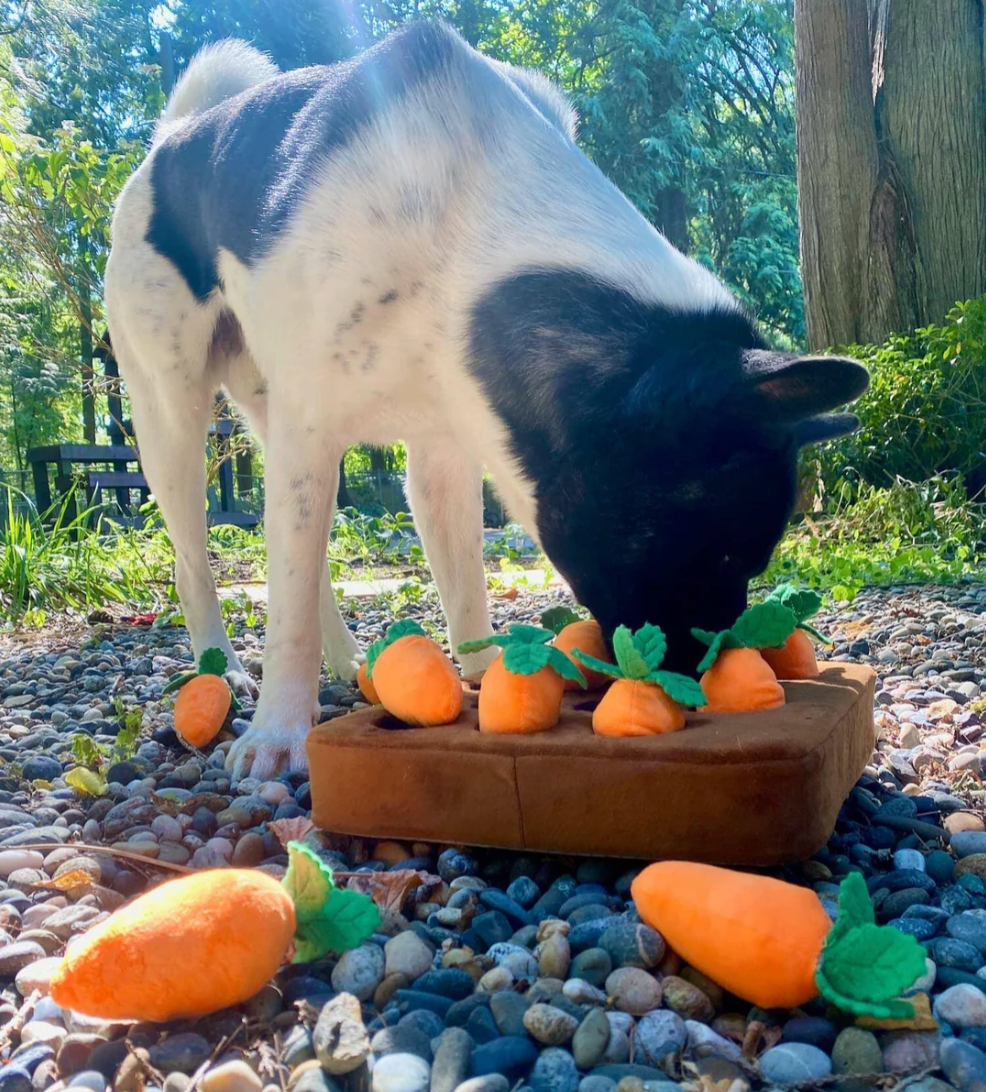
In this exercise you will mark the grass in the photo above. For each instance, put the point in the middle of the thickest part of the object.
(905, 534)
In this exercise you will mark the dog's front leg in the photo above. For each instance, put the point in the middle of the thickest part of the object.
(301, 482)
(445, 491)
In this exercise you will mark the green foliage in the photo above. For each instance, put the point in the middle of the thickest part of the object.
(924, 414)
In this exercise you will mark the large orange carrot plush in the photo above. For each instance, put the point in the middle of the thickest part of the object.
(204, 699)
(201, 943)
(521, 691)
(736, 677)
(586, 635)
(644, 700)
(795, 659)
(773, 944)
(413, 679)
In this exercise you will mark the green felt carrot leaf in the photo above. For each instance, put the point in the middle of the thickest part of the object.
(329, 918)
(212, 662)
(805, 604)
(557, 618)
(766, 625)
(406, 627)
(526, 651)
(865, 967)
(638, 657)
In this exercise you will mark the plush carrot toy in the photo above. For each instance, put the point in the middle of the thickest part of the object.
(365, 684)
(773, 944)
(644, 700)
(736, 677)
(586, 635)
(204, 699)
(521, 691)
(795, 659)
(413, 679)
(198, 944)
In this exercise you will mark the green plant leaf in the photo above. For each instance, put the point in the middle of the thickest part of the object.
(679, 688)
(564, 667)
(329, 919)
(870, 964)
(177, 681)
(613, 670)
(525, 659)
(766, 625)
(213, 662)
(628, 656)
(406, 627)
(557, 618)
(651, 643)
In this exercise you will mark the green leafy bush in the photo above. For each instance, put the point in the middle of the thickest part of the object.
(925, 412)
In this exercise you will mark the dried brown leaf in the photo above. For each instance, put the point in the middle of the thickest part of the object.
(291, 830)
(390, 890)
(75, 884)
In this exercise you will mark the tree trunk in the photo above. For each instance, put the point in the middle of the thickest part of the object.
(838, 164)
(931, 118)
(891, 97)
(343, 499)
(85, 349)
(671, 216)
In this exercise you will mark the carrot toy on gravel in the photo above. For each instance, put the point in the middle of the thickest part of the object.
(522, 689)
(644, 700)
(204, 699)
(773, 944)
(412, 677)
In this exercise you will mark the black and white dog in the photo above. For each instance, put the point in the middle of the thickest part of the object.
(410, 246)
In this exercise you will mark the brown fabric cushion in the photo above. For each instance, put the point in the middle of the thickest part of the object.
(752, 789)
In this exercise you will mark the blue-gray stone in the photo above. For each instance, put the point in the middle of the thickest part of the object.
(955, 899)
(814, 1030)
(451, 1065)
(508, 1010)
(948, 952)
(512, 911)
(524, 891)
(511, 1056)
(15, 1079)
(909, 858)
(41, 768)
(587, 934)
(492, 928)
(940, 866)
(914, 927)
(593, 911)
(401, 1040)
(449, 982)
(481, 1026)
(897, 904)
(969, 926)
(594, 965)
(453, 863)
(795, 1063)
(934, 914)
(31, 1056)
(554, 1071)
(428, 1023)
(632, 945)
(898, 807)
(460, 1011)
(967, 842)
(416, 999)
(657, 1035)
(90, 1079)
(964, 1065)
(182, 1053)
(900, 879)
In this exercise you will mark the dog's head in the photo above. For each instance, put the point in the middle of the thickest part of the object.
(664, 451)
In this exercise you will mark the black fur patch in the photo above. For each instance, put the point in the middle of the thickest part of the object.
(663, 480)
(232, 177)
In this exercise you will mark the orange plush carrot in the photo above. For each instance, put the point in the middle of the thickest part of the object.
(795, 659)
(201, 943)
(584, 634)
(773, 944)
(365, 684)
(521, 691)
(736, 677)
(204, 699)
(644, 700)
(413, 678)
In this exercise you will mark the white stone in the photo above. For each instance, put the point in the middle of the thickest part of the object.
(234, 1076)
(407, 954)
(962, 1006)
(13, 859)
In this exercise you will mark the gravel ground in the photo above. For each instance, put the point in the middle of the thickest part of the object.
(499, 971)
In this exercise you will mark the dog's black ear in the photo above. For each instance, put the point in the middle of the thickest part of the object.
(791, 388)
(814, 430)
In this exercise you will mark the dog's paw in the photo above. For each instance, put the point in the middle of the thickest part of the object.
(241, 684)
(343, 662)
(478, 661)
(263, 752)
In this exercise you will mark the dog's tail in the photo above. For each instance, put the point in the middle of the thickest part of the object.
(217, 72)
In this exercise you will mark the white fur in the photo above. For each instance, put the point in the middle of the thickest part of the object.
(493, 152)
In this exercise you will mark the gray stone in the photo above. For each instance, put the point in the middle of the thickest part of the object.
(964, 1065)
(15, 957)
(590, 1040)
(492, 1082)
(340, 1039)
(451, 1065)
(962, 1006)
(182, 1053)
(594, 965)
(554, 1071)
(631, 944)
(359, 971)
(856, 1050)
(401, 1073)
(794, 1063)
(657, 1036)
(550, 1025)
(401, 1040)
(634, 990)
(408, 954)
(909, 1051)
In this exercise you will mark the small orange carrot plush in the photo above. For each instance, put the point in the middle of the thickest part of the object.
(773, 944)
(584, 634)
(644, 700)
(521, 691)
(365, 684)
(204, 699)
(413, 679)
(198, 944)
(795, 659)
(736, 677)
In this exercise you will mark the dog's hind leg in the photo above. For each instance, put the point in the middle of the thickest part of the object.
(171, 396)
(445, 491)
